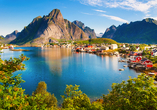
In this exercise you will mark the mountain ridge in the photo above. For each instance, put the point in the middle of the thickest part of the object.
(144, 31)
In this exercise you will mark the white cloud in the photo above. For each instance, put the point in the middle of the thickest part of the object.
(86, 13)
(136, 5)
(100, 11)
(115, 18)
(92, 2)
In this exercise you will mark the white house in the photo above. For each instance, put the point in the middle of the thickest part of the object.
(147, 47)
(137, 48)
(113, 46)
(154, 53)
(104, 48)
(125, 48)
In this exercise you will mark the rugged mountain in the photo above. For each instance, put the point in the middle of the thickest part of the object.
(144, 31)
(47, 28)
(88, 31)
(12, 36)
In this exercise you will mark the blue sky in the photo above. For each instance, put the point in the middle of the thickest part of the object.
(97, 14)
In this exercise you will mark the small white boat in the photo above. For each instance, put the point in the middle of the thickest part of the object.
(121, 69)
(125, 66)
(151, 73)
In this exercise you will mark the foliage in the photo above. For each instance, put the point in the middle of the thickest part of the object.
(142, 46)
(96, 106)
(11, 94)
(137, 94)
(132, 47)
(146, 52)
(75, 99)
(41, 95)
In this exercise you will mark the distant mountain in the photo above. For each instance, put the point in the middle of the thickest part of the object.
(88, 31)
(12, 36)
(99, 35)
(8, 38)
(47, 28)
(144, 31)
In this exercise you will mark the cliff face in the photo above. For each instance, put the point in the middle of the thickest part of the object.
(88, 31)
(53, 26)
(144, 31)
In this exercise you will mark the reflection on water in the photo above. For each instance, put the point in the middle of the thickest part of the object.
(107, 61)
(114, 63)
(54, 56)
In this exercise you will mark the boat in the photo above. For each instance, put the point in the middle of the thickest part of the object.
(121, 69)
(125, 66)
(11, 47)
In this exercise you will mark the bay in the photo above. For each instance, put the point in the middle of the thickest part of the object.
(59, 67)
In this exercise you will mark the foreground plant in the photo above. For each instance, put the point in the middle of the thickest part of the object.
(11, 94)
(137, 94)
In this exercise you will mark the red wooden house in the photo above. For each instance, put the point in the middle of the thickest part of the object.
(89, 46)
(135, 59)
(135, 54)
(147, 63)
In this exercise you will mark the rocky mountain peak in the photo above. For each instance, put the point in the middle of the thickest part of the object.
(36, 19)
(150, 20)
(15, 32)
(56, 14)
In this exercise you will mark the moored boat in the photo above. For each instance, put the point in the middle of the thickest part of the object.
(121, 69)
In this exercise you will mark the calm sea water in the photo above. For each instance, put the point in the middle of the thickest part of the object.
(59, 67)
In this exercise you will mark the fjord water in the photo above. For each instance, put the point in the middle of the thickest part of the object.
(59, 67)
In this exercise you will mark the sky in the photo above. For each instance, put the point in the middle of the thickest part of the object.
(96, 14)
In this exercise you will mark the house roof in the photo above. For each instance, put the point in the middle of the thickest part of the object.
(144, 59)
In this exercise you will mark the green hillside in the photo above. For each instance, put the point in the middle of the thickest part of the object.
(97, 41)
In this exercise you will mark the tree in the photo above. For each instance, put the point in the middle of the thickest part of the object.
(137, 94)
(132, 47)
(11, 94)
(75, 99)
(42, 98)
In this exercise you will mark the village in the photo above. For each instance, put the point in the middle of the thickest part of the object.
(140, 57)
